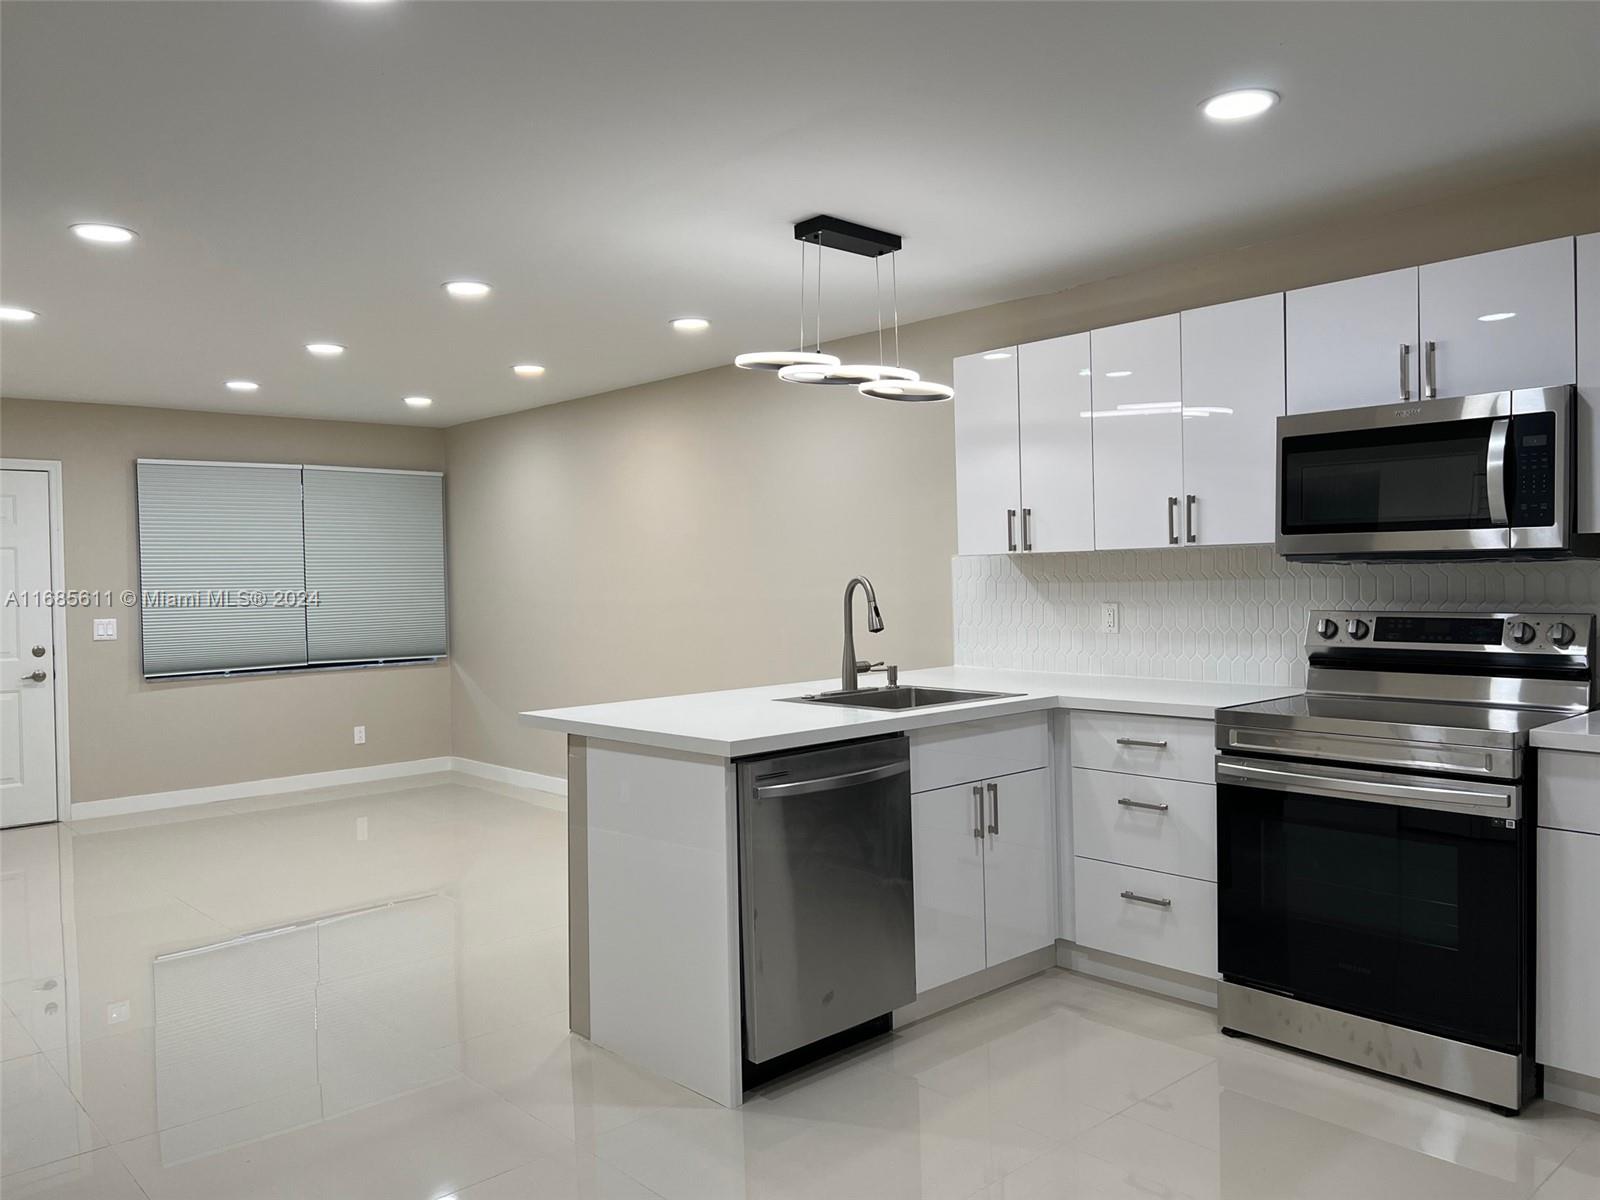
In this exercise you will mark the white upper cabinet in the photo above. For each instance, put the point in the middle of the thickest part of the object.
(1498, 321)
(1137, 400)
(1233, 395)
(988, 475)
(1057, 445)
(1589, 383)
(1353, 343)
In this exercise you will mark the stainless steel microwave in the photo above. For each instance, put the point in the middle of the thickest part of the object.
(1487, 477)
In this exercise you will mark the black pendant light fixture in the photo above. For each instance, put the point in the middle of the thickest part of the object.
(880, 380)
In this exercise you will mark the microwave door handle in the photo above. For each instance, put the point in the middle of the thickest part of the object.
(1495, 471)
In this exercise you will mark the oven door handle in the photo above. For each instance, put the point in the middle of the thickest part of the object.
(1495, 471)
(1360, 786)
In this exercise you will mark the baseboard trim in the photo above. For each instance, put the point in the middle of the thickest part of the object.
(1572, 1089)
(970, 987)
(119, 806)
(553, 784)
(1179, 985)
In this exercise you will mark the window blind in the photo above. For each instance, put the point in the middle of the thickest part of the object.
(374, 553)
(213, 539)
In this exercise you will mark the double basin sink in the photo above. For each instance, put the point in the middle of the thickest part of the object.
(901, 696)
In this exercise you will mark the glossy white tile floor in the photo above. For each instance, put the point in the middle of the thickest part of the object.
(397, 1029)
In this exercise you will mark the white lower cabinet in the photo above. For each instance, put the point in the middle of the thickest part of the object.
(1169, 920)
(1568, 1034)
(983, 870)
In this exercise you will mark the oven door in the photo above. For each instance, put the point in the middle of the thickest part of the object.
(1403, 898)
(1441, 478)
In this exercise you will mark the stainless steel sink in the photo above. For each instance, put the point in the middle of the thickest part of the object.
(902, 696)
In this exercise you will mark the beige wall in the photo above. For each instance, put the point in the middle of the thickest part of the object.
(695, 533)
(129, 736)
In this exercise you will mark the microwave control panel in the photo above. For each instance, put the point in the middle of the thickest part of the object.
(1533, 470)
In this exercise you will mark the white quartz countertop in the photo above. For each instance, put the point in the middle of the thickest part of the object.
(758, 720)
(1581, 733)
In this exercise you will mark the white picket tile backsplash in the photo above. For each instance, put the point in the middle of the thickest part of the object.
(1235, 614)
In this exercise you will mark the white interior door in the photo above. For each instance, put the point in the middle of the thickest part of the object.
(1057, 444)
(988, 488)
(27, 653)
(1232, 399)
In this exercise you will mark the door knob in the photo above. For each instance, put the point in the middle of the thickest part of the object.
(37, 676)
(38, 651)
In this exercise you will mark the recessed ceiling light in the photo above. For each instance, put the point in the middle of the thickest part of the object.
(10, 313)
(1239, 105)
(242, 385)
(1118, 374)
(527, 370)
(325, 349)
(110, 235)
(690, 324)
(995, 355)
(1497, 316)
(467, 289)
(419, 401)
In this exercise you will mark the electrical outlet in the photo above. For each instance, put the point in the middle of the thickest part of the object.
(361, 735)
(105, 629)
(1110, 618)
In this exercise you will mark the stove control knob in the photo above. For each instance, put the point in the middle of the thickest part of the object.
(1523, 633)
(1562, 635)
(1327, 628)
(1357, 628)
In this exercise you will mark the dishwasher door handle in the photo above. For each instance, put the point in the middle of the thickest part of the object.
(801, 787)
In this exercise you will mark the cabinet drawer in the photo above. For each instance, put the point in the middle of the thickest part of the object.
(952, 754)
(1145, 821)
(1181, 935)
(1172, 747)
(1568, 1036)
(1569, 791)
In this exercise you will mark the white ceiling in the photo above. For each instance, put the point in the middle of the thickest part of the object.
(306, 171)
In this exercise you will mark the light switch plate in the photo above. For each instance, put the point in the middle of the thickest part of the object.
(361, 735)
(118, 1011)
(1110, 618)
(105, 629)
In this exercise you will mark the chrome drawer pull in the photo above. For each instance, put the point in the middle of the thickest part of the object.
(1154, 745)
(1127, 803)
(1135, 896)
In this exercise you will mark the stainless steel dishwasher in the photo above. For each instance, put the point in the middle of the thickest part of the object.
(825, 893)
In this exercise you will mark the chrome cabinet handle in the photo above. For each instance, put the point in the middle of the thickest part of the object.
(1430, 384)
(1405, 370)
(1188, 518)
(1011, 529)
(977, 811)
(1172, 520)
(36, 676)
(1027, 531)
(1495, 471)
(1160, 744)
(1127, 803)
(1159, 902)
(994, 809)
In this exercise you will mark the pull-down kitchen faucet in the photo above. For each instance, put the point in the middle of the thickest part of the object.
(848, 679)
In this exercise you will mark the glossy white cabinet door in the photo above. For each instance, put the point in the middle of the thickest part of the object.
(1568, 1034)
(1138, 434)
(1020, 869)
(987, 467)
(947, 883)
(1232, 399)
(1532, 347)
(1057, 444)
(1343, 343)
(1589, 383)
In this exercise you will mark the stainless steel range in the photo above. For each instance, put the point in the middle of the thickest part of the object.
(1376, 844)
